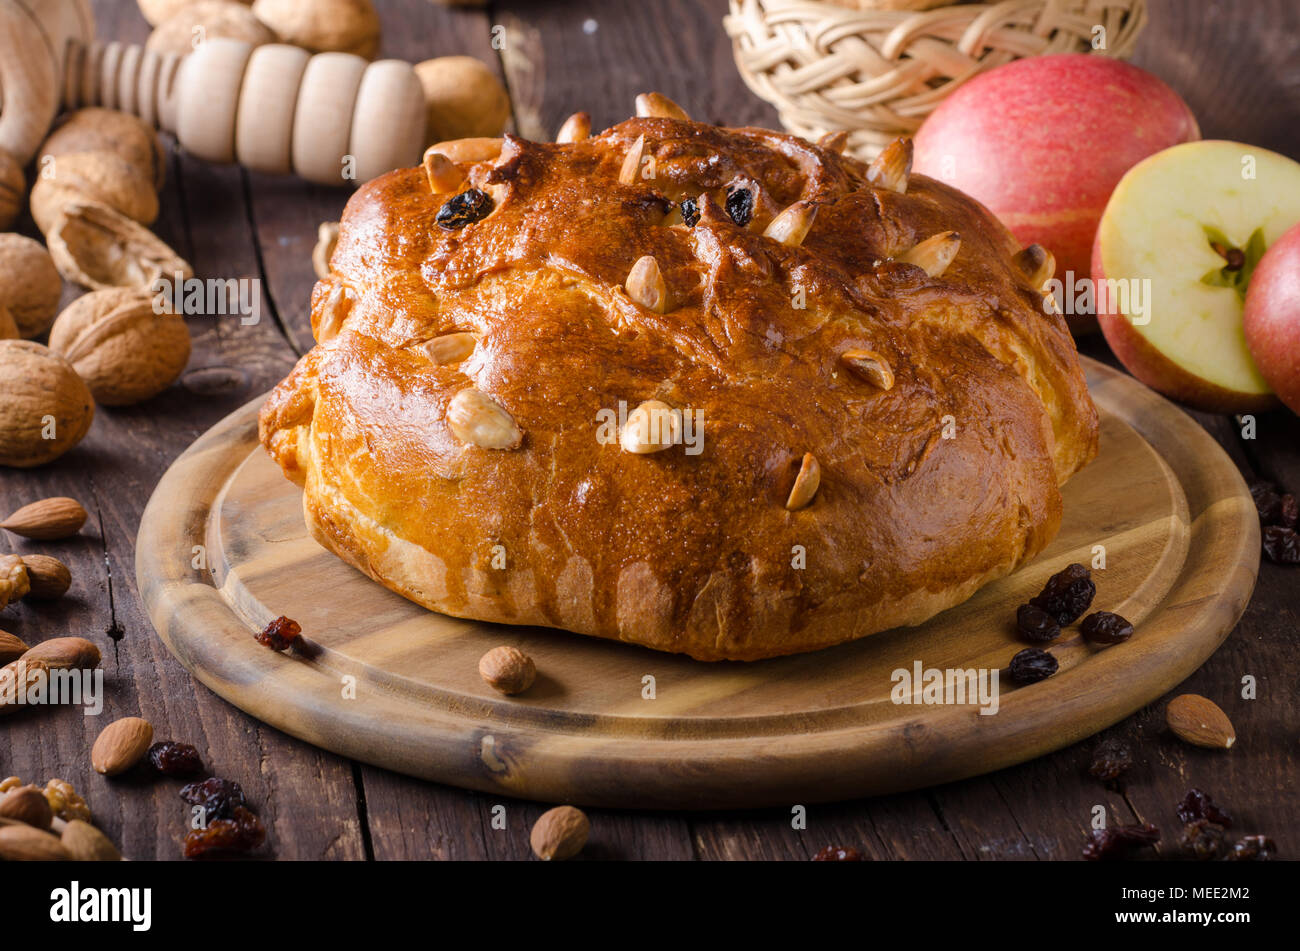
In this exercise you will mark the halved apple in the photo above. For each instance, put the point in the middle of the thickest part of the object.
(1172, 260)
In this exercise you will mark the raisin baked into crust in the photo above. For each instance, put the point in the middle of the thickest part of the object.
(887, 406)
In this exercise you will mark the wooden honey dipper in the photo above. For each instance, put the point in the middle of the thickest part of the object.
(331, 118)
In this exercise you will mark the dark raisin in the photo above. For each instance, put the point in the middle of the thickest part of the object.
(1198, 805)
(1203, 839)
(1110, 760)
(218, 797)
(1032, 665)
(242, 832)
(1118, 842)
(1268, 502)
(175, 759)
(1282, 545)
(1252, 848)
(280, 634)
(1289, 512)
(836, 853)
(1102, 627)
(740, 205)
(690, 211)
(1067, 594)
(1035, 624)
(464, 209)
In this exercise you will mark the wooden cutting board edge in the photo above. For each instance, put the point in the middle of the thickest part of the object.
(468, 747)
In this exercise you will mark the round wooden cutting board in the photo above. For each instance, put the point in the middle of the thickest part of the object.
(223, 550)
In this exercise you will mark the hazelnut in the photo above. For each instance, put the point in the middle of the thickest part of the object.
(30, 286)
(156, 11)
(45, 408)
(98, 176)
(106, 130)
(208, 20)
(322, 26)
(463, 99)
(12, 188)
(124, 351)
(507, 669)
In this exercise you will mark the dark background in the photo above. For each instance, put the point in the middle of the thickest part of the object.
(1235, 64)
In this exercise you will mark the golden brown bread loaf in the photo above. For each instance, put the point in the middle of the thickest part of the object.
(879, 437)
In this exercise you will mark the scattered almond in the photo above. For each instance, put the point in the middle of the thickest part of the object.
(47, 520)
(66, 653)
(11, 648)
(85, 843)
(121, 745)
(1199, 721)
(22, 843)
(559, 834)
(26, 804)
(507, 669)
(49, 578)
(806, 483)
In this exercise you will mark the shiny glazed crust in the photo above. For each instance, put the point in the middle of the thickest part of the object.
(928, 489)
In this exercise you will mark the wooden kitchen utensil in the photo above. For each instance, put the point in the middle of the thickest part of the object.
(332, 118)
(223, 550)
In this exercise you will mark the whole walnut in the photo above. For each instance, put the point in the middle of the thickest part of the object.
(322, 26)
(30, 286)
(463, 99)
(107, 130)
(216, 19)
(99, 176)
(12, 188)
(116, 342)
(156, 11)
(45, 408)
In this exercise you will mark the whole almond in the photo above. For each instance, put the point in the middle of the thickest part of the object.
(507, 669)
(85, 843)
(12, 674)
(559, 834)
(49, 578)
(1199, 721)
(22, 843)
(11, 648)
(27, 804)
(66, 653)
(121, 745)
(47, 520)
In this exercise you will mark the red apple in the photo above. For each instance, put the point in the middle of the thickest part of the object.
(1272, 317)
(1042, 142)
(1172, 265)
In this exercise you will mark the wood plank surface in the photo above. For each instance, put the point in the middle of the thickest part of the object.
(1235, 65)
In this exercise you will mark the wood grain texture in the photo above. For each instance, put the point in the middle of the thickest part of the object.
(1179, 538)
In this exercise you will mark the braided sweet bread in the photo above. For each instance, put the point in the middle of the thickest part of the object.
(845, 405)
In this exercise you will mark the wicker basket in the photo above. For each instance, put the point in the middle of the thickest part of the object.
(879, 73)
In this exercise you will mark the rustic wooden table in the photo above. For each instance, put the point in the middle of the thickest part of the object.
(1234, 64)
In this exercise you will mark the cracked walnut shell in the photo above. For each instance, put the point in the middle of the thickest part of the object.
(124, 351)
(45, 408)
(97, 247)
